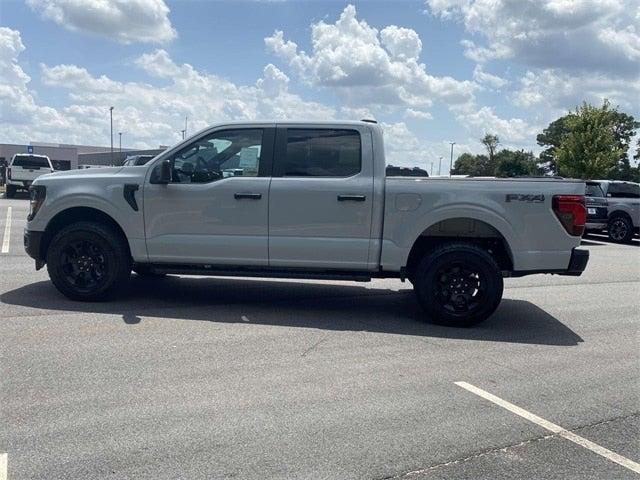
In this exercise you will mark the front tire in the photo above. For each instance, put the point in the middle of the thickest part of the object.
(620, 229)
(458, 285)
(88, 261)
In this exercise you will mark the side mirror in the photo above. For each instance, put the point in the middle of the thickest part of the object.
(162, 173)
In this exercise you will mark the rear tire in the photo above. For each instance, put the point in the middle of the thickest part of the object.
(620, 229)
(458, 285)
(88, 261)
(11, 191)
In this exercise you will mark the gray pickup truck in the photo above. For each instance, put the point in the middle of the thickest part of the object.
(303, 200)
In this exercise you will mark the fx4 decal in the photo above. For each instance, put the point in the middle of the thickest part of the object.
(519, 197)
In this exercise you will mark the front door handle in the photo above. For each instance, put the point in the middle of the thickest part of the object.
(352, 198)
(250, 196)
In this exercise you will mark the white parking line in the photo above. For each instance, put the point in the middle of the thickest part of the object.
(552, 427)
(7, 234)
(3, 466)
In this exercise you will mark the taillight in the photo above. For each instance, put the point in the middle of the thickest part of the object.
(571, 211)
(8, 174)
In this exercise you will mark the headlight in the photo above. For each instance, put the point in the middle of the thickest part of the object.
(37, 194)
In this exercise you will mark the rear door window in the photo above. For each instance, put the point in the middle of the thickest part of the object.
(321, 153)
(29, 161)
(624, 190)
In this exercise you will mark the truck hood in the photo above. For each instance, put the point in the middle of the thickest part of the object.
(84, 173)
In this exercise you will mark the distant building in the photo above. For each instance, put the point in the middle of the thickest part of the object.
(68, 157)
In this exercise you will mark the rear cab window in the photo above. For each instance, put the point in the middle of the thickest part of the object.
(320, 152)
(30, 161)
(594, 190)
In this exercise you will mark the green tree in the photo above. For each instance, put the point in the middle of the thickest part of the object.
(475, 165)
(551, 137)
(622, 125)
(590, 149)
(491, 143)
(516, 164)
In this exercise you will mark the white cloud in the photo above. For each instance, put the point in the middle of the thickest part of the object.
(125, 21)
(417, 114)
(583, 35)
(405, 149)
(148, 115)
(367, 68)
(481, 120)
(551, 89)
(18, 107)
(488, 79)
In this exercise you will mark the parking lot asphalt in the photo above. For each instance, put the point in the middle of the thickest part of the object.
(194, 378)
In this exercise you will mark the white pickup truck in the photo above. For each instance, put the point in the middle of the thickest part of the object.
(303, 200)
(23, 169)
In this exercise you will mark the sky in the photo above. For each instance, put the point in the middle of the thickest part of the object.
(430, 71)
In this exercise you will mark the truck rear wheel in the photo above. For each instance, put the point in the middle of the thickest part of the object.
(458, 285)
(88, 261)
(11, 191)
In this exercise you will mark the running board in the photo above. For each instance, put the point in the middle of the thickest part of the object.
(266, 272)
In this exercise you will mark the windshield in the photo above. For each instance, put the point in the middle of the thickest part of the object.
(29, 161)
(594, 190)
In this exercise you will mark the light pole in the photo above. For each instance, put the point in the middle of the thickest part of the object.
(111, 121)
(440, 166)
(451, 162)
(120, 148)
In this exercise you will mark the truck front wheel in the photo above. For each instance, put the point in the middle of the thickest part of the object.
(88, 261)
(458, 285)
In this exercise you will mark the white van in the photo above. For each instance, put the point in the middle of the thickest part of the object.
(23, 169)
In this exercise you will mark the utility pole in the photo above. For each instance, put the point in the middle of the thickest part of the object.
(451, 162)
(440, 166)
(183, 133)
(185, 127)
(431, 172)
(120, 148)
(111, 121)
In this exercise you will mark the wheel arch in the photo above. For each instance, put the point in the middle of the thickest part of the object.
(461, 229)
(79, 214)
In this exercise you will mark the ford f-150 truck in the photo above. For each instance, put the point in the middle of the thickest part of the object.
(23, 169)
(303, 200)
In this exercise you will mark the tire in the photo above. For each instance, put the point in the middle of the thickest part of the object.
(145, 272)
(11, 191)
(458, 285)
(620, 229)
(88, 261)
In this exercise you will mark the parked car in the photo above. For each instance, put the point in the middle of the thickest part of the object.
(313, 201)
(597, 212)
(623, 200)
(23, 169)
(135, 160)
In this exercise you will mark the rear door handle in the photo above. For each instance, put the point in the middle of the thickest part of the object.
(250, 196)
(351, 198)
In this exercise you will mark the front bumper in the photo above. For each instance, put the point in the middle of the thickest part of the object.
(32, 243)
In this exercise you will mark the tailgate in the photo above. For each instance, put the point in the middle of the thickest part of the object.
(21, 174)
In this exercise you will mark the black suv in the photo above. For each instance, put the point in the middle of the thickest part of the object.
(597, 213)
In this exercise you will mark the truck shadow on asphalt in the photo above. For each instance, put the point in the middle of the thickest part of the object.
(302, 305)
